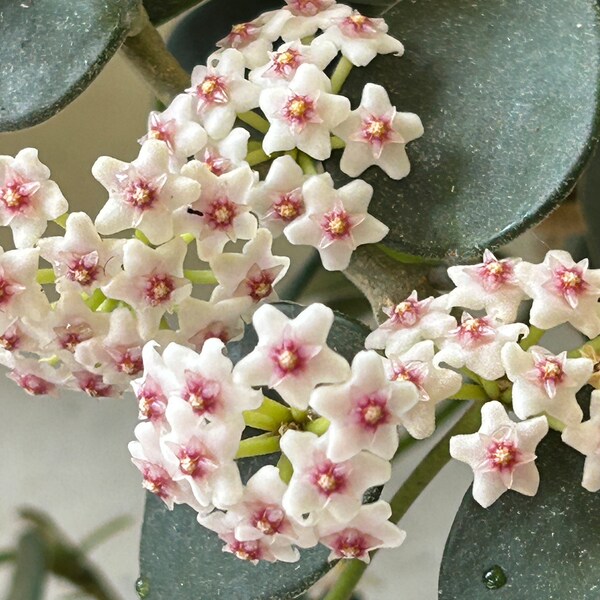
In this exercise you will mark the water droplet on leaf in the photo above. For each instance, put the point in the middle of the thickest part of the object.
(494, 577)
(142, 587)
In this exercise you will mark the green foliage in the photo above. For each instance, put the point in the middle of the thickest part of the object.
(161, 11)
(30, 568)
(51, 51)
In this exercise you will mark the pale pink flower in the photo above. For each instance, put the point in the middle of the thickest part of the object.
(501, 454)
(250, 39)
(545, 383)
(303, 113)
(28, 197)
(222, 156)
(376, 134)
(142, 194)
(365, 411)
(291, 356)
(335, 222)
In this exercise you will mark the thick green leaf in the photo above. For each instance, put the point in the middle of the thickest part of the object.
(30, 569)
(588, 192)
(180, 560)
(508, 93)
(51, 51)
(161, 11)
(547, 546)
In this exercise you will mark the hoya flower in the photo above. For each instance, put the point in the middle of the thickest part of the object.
(200, 320)
(335, 222)
(253, 273)
(278, 200)
(204, 381)
(222, 156)
(361, 38)
(28, 197)
(221, 213)
(251, 40)
(204, 454)
(177, 128)
(319, 483)
(292, 356)
(152, 281)
(81, 259)
(376, 134)
(411, 321)
(585, 438)
(20, 334)
(562, 291)
(220, 92)
(501, 454)
(490, 285)
(93, 385)
(365, 411)
(476, 343)
(368, 530)
(545, 383)
(432, 383)
(20, 294)
(303, 114)
(142, 194)
(284, 63)
(35, 377)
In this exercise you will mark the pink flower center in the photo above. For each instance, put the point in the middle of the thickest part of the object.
(8, 289)
(130, 362)
(249, 550)
(10, 339)
(474, 331)
(195, 462)
(549, 372)
(217, 329)
(288, 358)
(288, 206)
(221, 213)
(371, 411)
(357, 25)
(93, 385)
(83, 269)
(70, 335)
(216, 163)
(503, 455)
(308, 8)
(350, 543)
(202, 394)
(151, 400)
(329, 478)
(494, 273)
(299, 111)
(239, 36)
(268, 520)
(284, 64)
(212, 90)
(32, 384)
(569, 283)
(158, 289)
(163, 131)
(141, 194)
(157, 480)
(407, 313)
(16, 194)
(336, 224)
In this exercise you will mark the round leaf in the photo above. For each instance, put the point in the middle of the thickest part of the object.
(181, 560)
(544, 547)
(51, 51)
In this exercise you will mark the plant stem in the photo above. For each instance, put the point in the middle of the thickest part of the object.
(266, 443)
(188, 238)
(256, 157)
(409, 491)
(338, 77)
(307, 164)
(593, 344)
(254, 120)
(337, 142)
(535, 334)
(96, 299)
(285, 468)
(470, 391)
(318, 426)
(140, 235)
(200, 277)
(45, 276)
(147, 53)
(62, 220)
(257, 420)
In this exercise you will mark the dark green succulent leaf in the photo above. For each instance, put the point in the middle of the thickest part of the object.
(181, 560)
(30, 568)
(51, 51)
(508, 95)
(546, 546)
(161, 11)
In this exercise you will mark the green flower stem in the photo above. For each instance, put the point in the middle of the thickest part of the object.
(491, 387)
(535, 335)
(285, 468)
(293, 153)
(277, 411)
(147, 53)
(7, 556)
(200, 277)
(338, 77)
(62, 220)
(140, 235)
(254, 145)
(188, 238)
(307, 164)
(299, 416)
(96, 299)
(594, 344)
(470, 391)
(45, 276)
(259, 445)
(256, 157)
(254, 120)
(555, 424)
(409, 491)
(108, 305)
(506, 396)
(337, 142)
(318, 426)
(253, 418)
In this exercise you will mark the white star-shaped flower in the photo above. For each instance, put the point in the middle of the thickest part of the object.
(375, 134)
(292, 356)
(222, 156)
(28, 197)
(335, 222)
(303, 114)
(501, 454)
(251, 39)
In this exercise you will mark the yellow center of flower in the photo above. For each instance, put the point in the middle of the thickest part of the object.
(239, 29)
(222, 215)
(570, 279)
(503, 456)
(551, 370)
(338, 226)
(297, 107)
(287, 210)
(208, 86)
(495, 267)
(141, 196)
(376, 128)
(12, 198)
(262, 289)
(287, 360)
(358, 19)
(402, 308)
(373, 415)
(326, 482)
(284, 58)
